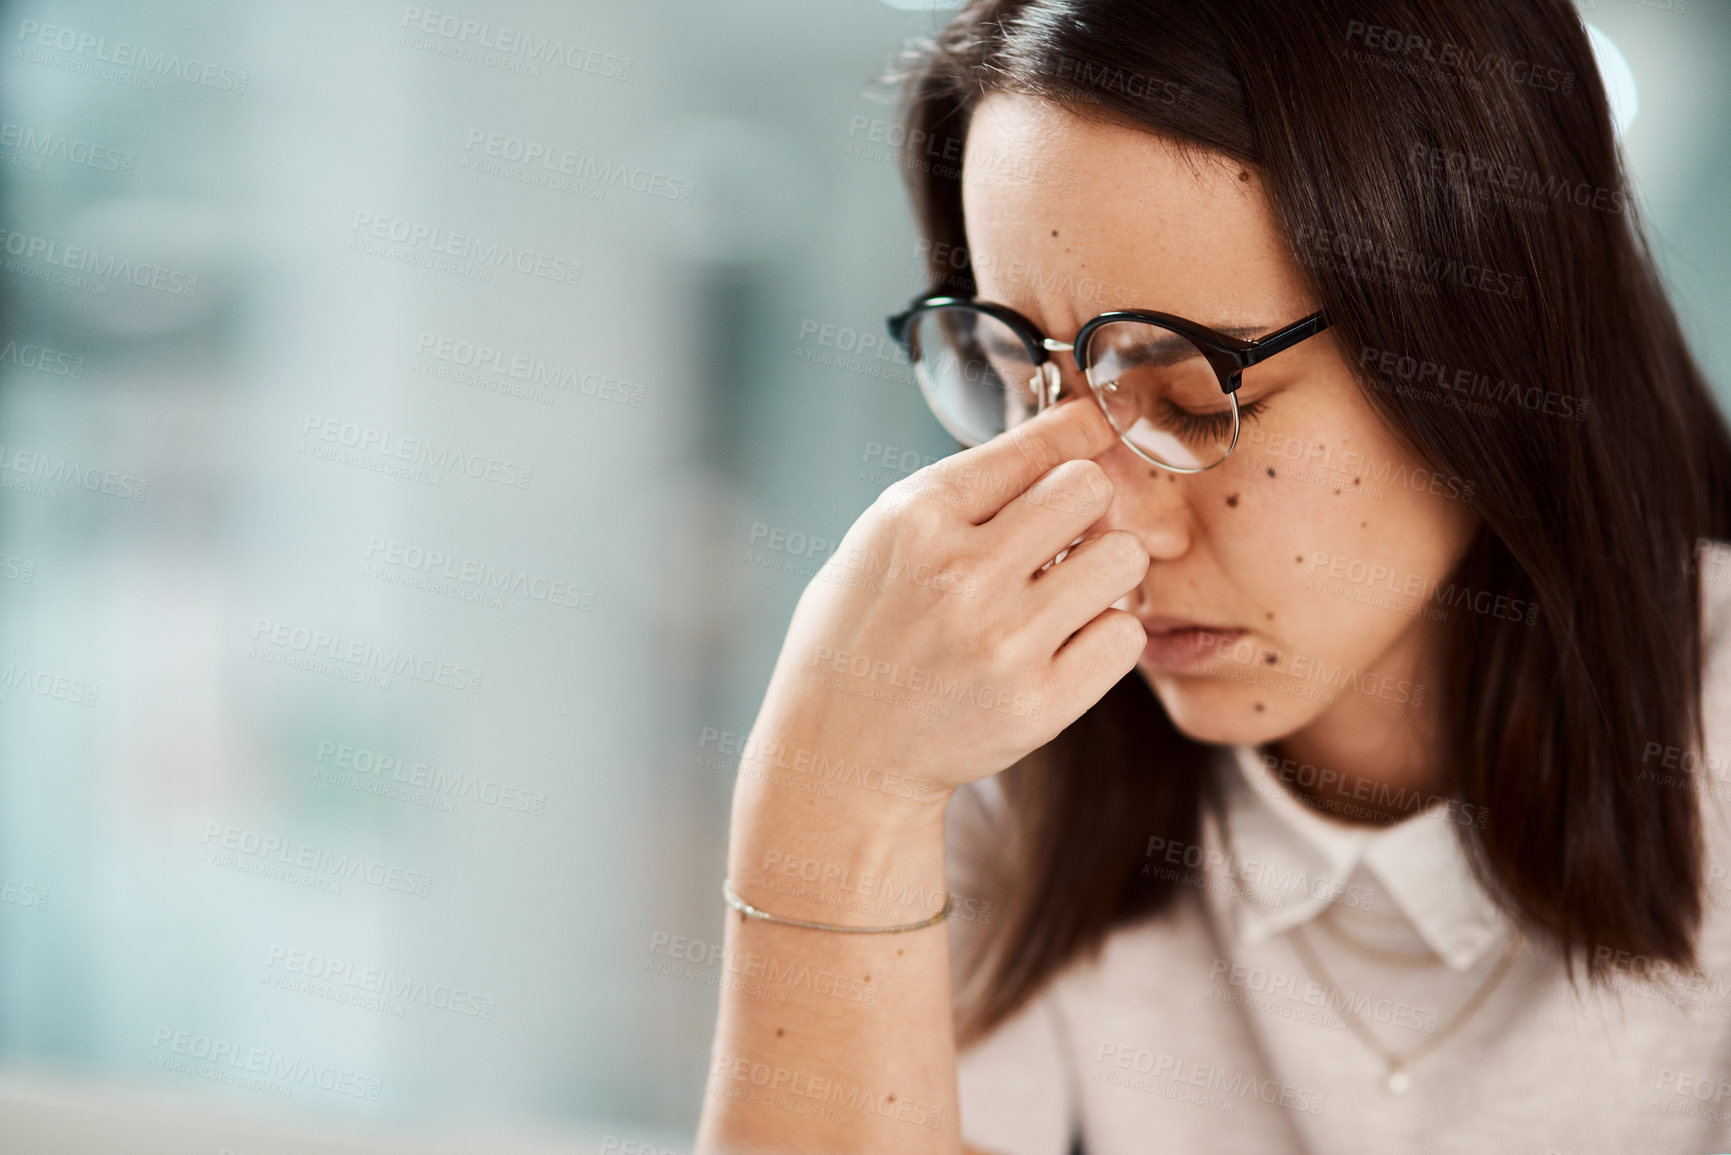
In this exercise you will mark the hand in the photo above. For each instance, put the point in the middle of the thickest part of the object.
(940, 643)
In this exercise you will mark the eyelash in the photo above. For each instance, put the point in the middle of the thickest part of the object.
(1215, 425)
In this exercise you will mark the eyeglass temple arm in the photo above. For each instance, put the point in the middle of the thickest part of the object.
(1266, 347)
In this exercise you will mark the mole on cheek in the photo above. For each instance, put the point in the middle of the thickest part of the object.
(1269, 657)
(1233, 501)
(1271, 471)
(1260, 707)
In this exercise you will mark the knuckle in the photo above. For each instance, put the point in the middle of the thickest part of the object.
(910, 507)
(1089, 474)
(925, 519)
(1129, 630)
(1036, 447)
(1076, 486)
(1128, 548)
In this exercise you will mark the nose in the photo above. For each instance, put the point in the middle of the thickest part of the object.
(1150, 502)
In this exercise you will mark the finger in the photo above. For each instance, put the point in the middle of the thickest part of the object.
(1092, 576)
(982, 480)
(1093, 660)
(1049, 515)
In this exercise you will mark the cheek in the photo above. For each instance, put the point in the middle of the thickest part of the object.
(1331, 550)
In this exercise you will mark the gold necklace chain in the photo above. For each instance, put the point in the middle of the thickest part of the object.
(1397, 1080)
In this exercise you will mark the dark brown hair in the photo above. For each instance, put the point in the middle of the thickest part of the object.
(1373, 125)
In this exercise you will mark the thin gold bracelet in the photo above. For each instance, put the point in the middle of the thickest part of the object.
(745, 908)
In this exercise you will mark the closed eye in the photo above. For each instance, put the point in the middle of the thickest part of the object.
(1206, 426)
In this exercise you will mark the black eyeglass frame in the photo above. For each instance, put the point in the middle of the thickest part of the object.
(1228, 356)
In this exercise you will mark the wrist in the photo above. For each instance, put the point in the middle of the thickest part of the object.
(825, 860)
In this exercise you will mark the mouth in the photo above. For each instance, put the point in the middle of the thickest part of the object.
(1178, 644)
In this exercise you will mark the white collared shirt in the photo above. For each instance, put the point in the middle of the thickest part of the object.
(1205, 1031)
(1416, 862)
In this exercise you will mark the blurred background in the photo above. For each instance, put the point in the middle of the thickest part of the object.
(416, 426)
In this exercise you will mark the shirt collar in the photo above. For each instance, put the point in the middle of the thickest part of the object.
(1289, 862)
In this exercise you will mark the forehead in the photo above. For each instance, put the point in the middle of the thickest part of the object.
(1070, 215)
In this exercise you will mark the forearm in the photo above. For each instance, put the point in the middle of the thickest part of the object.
(828, 1041)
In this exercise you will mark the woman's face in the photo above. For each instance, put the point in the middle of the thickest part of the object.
(1306, 549)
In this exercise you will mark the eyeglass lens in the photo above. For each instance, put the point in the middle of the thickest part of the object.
(1156, 387)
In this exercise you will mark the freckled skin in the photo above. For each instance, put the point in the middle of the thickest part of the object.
(1196, 237)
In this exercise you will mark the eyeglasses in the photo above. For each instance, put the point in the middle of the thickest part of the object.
(1167, 385)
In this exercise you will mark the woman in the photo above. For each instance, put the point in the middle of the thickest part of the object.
(1349, 624)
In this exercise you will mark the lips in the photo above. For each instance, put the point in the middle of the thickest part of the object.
(1179, 644)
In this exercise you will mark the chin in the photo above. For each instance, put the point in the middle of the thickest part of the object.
(1208, 708)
